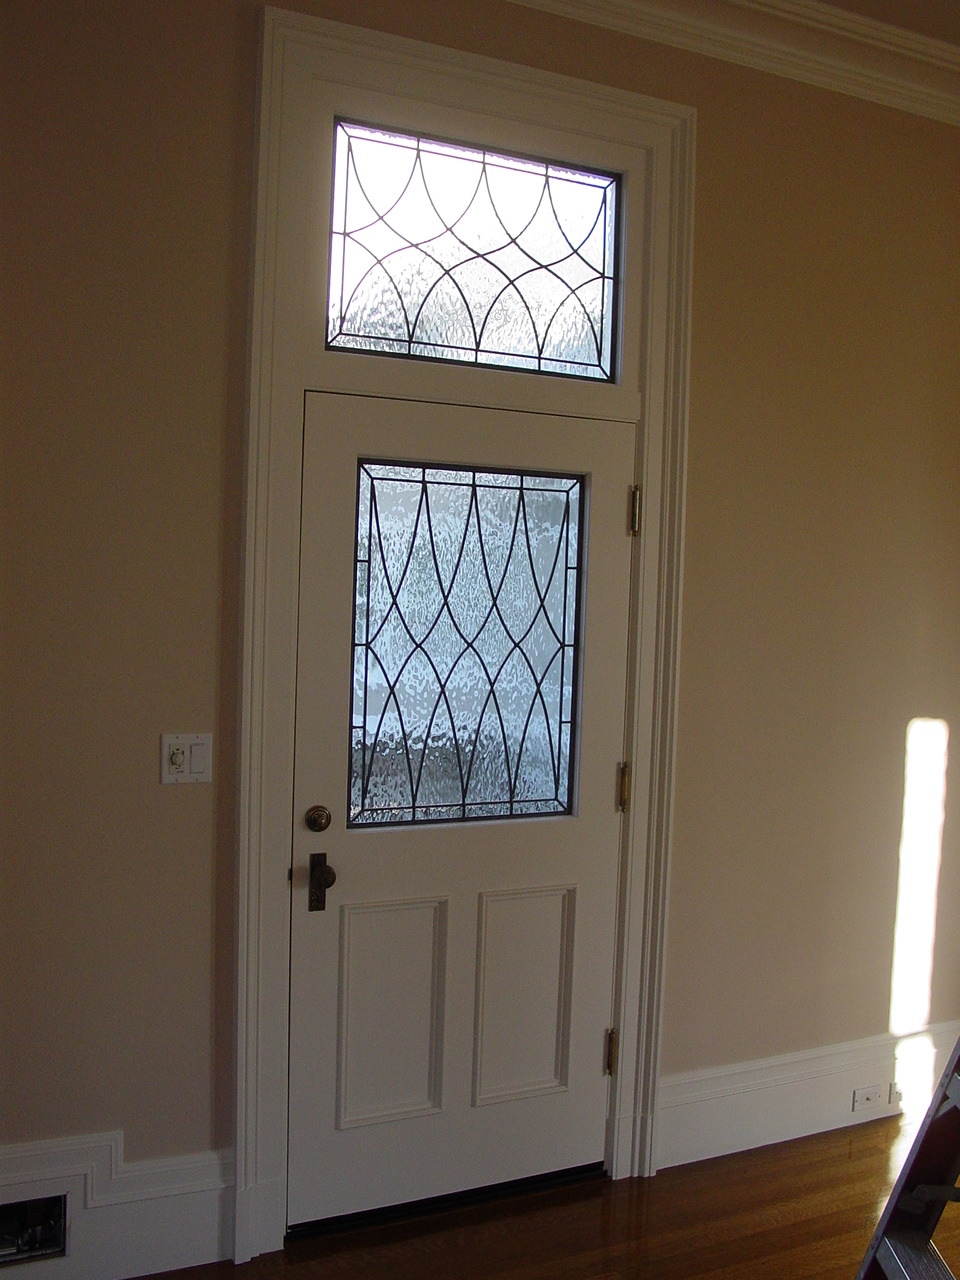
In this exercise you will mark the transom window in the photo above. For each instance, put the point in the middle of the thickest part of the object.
(465, 643)
(446, 251)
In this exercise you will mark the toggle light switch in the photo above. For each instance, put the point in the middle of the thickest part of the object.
(186, 757)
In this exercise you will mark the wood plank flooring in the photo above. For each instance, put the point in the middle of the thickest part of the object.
(802, 1210)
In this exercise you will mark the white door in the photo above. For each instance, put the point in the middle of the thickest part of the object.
(449, 1005)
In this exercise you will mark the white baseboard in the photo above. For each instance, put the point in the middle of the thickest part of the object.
(125, 1219)
(147, 1216)
(701, 1114)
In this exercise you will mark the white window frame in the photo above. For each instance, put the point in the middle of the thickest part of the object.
(310, 69)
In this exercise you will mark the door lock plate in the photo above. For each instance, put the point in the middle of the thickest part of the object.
(322, 878)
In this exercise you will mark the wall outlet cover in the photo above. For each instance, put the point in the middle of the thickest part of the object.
(869, 1096)
(186, 757)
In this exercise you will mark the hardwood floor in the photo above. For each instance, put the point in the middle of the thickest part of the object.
(802, 1210)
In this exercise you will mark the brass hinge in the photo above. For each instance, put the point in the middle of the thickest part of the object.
(610, 1053)
(636, 508)
(623, 787)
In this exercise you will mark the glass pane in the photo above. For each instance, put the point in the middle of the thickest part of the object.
(465, 643)
(457, 253)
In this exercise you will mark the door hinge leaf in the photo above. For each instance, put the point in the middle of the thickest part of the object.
(623, 787)
(610, 1053)
(636, 509)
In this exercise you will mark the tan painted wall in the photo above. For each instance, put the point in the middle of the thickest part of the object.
(821, 600)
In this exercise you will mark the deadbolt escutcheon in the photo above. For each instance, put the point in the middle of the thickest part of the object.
(317, 817)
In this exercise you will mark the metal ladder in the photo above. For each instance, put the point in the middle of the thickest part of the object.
(901, 1248)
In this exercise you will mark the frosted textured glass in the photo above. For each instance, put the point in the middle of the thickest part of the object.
(449, 252)
(465, 643)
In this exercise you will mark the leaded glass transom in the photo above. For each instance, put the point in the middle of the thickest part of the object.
(452, 252)
(465, 643)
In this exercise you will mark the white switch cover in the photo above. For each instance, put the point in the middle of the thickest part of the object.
(186, 757)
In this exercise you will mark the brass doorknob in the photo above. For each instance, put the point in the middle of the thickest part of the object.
(317, 817)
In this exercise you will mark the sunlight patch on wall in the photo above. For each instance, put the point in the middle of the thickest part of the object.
(925, 777)
(924, 795)
(915, 1066)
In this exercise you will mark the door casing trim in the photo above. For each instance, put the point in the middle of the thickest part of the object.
(666, 132)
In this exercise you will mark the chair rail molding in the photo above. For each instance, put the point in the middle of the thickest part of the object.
(803, 40)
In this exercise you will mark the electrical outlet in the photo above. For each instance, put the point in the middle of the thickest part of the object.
(870, 1095)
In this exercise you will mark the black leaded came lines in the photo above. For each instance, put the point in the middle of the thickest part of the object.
(451, 252)
(465, 643)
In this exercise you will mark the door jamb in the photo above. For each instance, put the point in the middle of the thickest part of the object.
(269, 635)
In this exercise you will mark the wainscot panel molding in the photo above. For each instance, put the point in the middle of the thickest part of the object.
(125, 1218)
(701, 1114)
(799, 39)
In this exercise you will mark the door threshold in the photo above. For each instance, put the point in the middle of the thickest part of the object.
(453, 1200)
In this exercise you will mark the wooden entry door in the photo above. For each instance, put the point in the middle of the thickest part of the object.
(449, 1005)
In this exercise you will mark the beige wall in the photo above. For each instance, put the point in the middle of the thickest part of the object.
(821, 598)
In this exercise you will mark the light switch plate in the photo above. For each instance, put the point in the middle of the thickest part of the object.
(186, 757)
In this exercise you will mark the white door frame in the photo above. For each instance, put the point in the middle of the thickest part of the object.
(655, 325)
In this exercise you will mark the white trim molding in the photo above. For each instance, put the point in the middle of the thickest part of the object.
(702, 1114)
(125, 1218)
(803, 40)
(310, 61)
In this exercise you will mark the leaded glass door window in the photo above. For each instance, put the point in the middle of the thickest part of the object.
(446, 251)
(465, 648)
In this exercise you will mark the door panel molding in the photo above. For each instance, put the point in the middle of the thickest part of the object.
(356, 1061)
(491, 1078)
(302, 58)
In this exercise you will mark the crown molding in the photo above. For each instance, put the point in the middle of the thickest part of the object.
(803, 40)
(908, 45)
